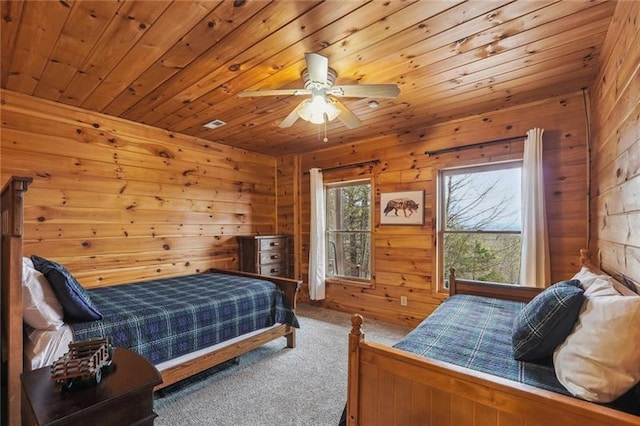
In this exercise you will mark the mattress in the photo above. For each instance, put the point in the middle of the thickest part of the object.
(169, 318)
(475, 332)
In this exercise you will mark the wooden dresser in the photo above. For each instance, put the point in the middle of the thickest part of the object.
(123, 397)
(265, 254)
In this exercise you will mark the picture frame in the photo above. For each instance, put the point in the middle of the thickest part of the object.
(402, 208)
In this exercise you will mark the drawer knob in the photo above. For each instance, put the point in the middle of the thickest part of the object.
(275, 256)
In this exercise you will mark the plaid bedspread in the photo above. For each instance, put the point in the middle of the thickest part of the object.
(475, 332)
(166, 318)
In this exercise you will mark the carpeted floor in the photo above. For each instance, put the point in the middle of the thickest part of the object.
(273, 385)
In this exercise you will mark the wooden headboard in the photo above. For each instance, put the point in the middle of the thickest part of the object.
(11, 203)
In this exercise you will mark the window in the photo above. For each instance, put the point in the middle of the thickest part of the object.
(349, 230)
(479, 225)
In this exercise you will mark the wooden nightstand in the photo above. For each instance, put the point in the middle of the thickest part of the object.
(123, 397)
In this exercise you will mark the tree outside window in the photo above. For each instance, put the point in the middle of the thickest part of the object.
(349, 212)
(480, 222)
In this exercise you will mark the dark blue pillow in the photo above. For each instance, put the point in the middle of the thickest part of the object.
(74, 299)
(546, 321)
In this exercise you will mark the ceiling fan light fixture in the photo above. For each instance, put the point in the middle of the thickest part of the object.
(323, 106)
(316, 118)
(314, 110)
(332, 111)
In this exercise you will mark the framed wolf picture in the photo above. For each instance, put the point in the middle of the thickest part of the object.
(402, 208)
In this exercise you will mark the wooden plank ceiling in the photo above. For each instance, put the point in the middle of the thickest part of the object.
(178, 65)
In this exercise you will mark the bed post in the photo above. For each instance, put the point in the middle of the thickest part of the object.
(11, 298)
(452, 282)
(353, 381)
(585, 257)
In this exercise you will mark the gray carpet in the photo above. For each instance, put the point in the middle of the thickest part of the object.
(273, 385)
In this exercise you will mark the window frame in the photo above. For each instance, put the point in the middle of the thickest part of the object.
(441, 274)
(343, 279)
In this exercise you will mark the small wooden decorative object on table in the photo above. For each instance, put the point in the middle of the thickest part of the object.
(124, 396)
(83, 363)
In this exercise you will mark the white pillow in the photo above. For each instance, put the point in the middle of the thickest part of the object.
(599, 361)
(587, 277)
(40, 307)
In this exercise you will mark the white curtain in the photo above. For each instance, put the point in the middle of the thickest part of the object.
(317, 240)
(534, 263)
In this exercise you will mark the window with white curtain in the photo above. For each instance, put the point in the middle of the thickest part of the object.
(348, 230)
(479, 222)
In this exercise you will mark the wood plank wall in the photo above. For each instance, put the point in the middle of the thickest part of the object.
(404, 255)
(116, 201)
(615, 151)
(287, 208)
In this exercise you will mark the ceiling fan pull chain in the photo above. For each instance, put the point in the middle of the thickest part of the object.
(325, 128)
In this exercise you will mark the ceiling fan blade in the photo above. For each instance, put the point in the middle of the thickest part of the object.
(274, 92)
(317, 66)
(366, 91)
(346, 116)
(293, 116)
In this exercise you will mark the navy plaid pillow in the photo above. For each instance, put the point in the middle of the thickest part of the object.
(74, 299)
(546, 321)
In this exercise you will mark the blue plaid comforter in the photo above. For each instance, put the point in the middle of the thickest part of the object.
(475, 332)
(166, 318)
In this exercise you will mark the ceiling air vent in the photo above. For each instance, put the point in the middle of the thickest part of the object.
(215, 124)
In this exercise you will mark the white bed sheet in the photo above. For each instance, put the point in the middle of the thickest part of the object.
(43, 347)
(193, 355)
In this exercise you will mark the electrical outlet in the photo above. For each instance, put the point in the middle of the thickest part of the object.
(403, 300)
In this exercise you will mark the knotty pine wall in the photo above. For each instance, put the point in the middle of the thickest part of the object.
(116, 201)
(615, 153)
(404, 255)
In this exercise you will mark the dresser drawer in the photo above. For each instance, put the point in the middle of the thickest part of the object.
(272, 243)
(271, 256)
(274, 269)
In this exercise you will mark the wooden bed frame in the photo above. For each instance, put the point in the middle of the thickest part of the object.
(387, 386)
(11, 205)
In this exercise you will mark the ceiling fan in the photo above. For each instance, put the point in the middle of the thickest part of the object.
(323, 106)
